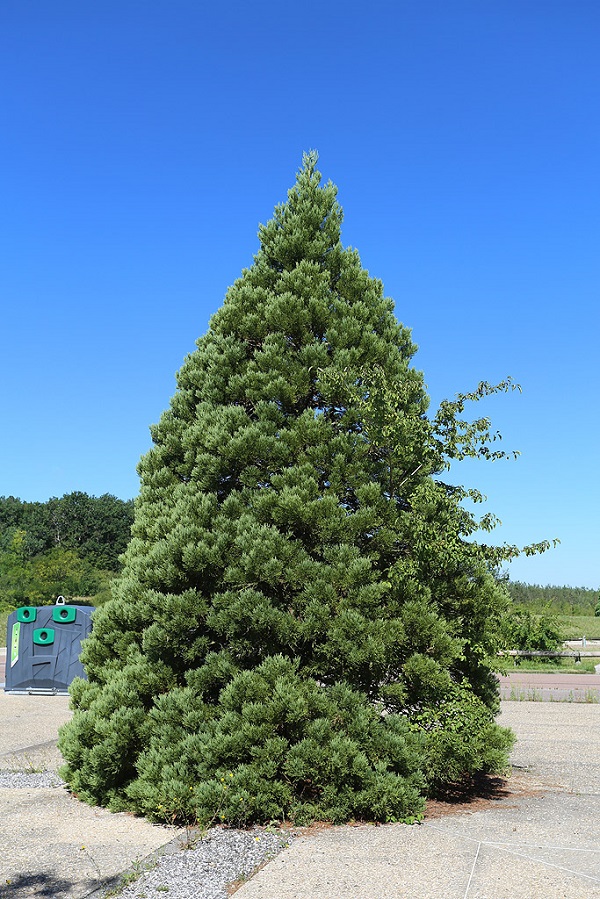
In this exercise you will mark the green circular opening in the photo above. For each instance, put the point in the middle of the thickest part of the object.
(64, 613)
(26, 613)
(43, 635)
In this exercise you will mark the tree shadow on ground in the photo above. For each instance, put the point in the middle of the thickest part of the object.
(471, 794)
(46, 884)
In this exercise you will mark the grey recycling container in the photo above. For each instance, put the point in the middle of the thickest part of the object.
(43, 645)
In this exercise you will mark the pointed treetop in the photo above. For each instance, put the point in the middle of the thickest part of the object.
(309, 161)
(308, 225)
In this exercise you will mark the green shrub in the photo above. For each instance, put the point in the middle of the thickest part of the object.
(526, 630)
(460, 740)
(280, 747)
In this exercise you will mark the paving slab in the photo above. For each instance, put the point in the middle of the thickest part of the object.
(28, 730)
(424, 861)
(558, 744)
(52, 844)
(548, 832)
(366, 862)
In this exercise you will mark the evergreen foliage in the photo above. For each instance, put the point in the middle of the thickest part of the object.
(305, 626)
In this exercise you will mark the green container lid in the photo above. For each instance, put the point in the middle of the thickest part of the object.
(66, 614)
(43, 636)
(27, 613)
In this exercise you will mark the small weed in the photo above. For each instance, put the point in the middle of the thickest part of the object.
(518, 694)
(413, 819)
(25, 765)
(137, 869)
(192, 835)
(92, 859)
(125, 880)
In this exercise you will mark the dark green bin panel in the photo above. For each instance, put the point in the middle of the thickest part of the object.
(27, 613)
(66, 614)
(43, 636)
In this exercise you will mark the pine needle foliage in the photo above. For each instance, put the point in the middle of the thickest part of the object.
(304, 627)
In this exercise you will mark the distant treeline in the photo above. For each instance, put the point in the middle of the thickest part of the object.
(69, 545)
(557, 600)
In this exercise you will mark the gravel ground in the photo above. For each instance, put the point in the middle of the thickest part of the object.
(204, 872)
(20, 780)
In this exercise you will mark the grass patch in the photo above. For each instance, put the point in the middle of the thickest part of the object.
(574, 627)
(562, 666)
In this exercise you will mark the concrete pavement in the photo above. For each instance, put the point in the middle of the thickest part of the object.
(52, 844)
(537, 837)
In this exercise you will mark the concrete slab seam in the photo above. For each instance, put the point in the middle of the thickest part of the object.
(539, 861)
(528, 857)
(28, 748)
(140, 865)
(537, 846)
(472, 870)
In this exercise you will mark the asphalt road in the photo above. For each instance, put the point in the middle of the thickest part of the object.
(533, 685)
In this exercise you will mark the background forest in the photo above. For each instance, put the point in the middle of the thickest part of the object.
(69, 546)
(559, 600)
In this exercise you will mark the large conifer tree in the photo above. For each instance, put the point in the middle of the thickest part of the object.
(303, 627)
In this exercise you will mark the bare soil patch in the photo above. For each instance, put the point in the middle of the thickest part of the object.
(480, 793)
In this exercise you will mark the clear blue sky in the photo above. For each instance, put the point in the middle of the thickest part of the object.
(143, 142)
